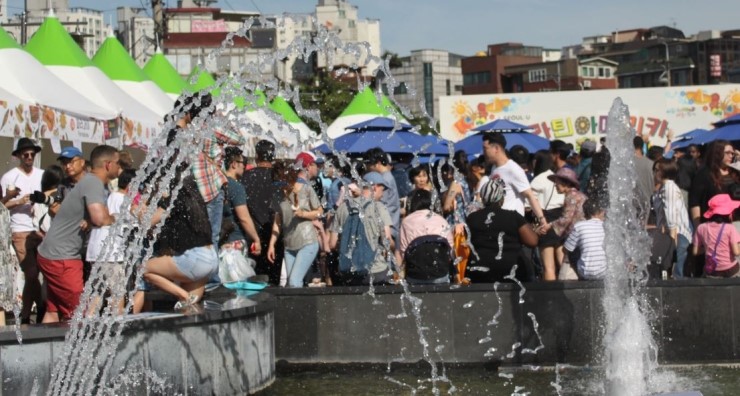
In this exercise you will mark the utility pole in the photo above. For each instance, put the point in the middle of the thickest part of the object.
(24, 24)
(158, 16)
(24, 19)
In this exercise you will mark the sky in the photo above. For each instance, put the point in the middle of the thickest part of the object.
(467, 26)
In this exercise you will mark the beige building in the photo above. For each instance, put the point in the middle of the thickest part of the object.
(426, 75)
(87, 26)
(136, 32)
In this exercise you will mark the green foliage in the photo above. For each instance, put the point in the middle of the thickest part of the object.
(394, 61)
(423, 124)
(328, 95)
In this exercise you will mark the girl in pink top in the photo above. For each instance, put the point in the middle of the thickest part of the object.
(718, 239)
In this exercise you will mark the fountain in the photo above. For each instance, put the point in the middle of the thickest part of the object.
(104, 353)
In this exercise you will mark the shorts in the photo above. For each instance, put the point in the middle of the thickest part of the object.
(551, 239)
(26, 245)
(63, 285)
(197, 263)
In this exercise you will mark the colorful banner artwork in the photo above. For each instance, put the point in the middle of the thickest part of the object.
(24, 120)
(574, 116)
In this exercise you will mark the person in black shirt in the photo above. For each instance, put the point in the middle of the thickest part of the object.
(497, 236)
(262, 203)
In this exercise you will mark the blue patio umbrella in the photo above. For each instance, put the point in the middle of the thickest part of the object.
(502, 125)
(733, 119)
(729, 132)
(688, 138)
(473, 144)
(381, 124)
(381, 132)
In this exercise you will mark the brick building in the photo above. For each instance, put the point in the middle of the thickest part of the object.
(483, 72)
(562, 75)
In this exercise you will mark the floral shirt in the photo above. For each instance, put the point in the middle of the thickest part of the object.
(572, 212)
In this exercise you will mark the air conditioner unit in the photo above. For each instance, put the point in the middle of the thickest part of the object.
(586, 83)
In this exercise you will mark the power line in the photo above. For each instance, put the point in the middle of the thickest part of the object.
(229, 4)
(256, 6)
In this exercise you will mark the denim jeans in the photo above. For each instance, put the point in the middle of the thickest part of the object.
(682, 247)
(215, 208)
(297, 263)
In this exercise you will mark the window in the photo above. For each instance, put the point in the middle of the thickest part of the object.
(538, 75)
(429, 88)
(601, 72)
(591, 72)
(351, 23)
(342, 14)
(608, 72)
(584, 71)
(477, 78)
(448, 86)
(400, 89)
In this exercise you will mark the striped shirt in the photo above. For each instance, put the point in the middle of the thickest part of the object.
(671, 210)
(588, 237)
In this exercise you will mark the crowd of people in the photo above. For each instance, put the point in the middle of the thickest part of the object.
(378, 219)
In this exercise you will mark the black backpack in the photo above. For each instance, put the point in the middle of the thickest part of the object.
(428, 257)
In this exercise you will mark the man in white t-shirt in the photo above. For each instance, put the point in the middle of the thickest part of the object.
(20, 182)
(517, 184)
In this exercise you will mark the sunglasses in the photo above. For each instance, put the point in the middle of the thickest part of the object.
(30, 154)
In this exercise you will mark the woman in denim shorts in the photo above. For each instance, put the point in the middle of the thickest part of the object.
(184, 256)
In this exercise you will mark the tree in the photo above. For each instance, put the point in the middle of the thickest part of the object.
(394, 61)
(328, 95)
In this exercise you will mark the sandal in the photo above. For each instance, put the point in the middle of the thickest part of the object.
(192, 299)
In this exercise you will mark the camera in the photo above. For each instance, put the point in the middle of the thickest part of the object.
(41, 198)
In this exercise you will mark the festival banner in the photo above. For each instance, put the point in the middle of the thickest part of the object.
(574, 116)
(26, 120)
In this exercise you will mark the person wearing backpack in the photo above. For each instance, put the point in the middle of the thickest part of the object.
(361, 232)
(718, 239)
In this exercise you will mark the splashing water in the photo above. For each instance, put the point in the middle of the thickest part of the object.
(630, 353)
(85, 364)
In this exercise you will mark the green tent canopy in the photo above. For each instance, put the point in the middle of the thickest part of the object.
(53, 46)
(161, 71)
(200, 79)
(365, 102)
(116, 63)
(364, 106)
(6, 41)
(282, 107)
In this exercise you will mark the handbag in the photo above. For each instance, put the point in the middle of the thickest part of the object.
(233, 266)
(462, 254)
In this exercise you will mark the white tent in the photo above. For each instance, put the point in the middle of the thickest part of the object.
(54, 48)
(118, 65)
(30, 81)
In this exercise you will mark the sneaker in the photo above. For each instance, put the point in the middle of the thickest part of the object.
(192, 299)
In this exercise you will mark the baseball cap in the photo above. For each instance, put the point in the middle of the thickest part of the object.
(588, 145)
(305, 159)
(70, 152)
(375, 178)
